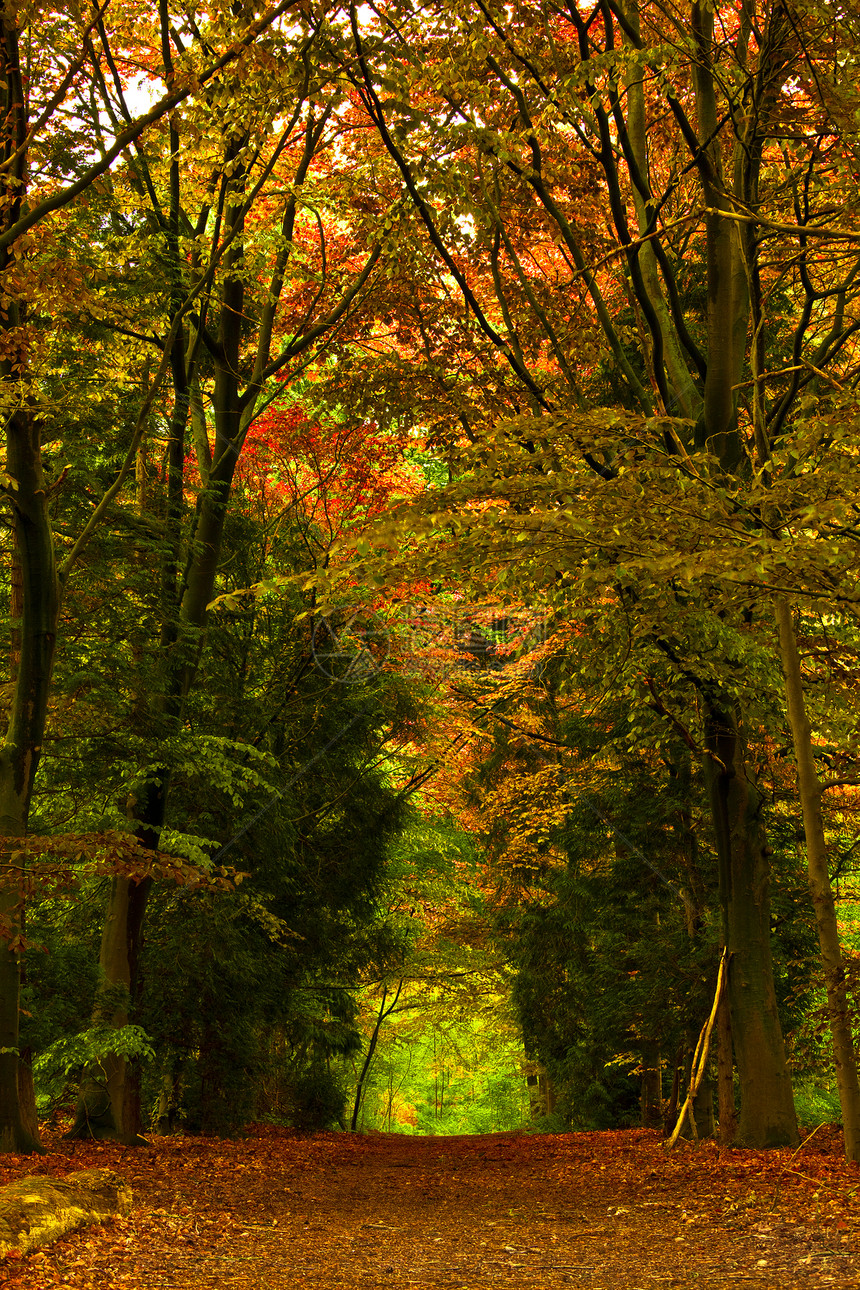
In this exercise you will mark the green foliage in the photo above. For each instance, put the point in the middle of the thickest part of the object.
(60, 1065)
(438, 1070)
(607, 907)
(816, 1105)
(555, 1122)
(61, 967)
(660, 560)
(319, 1098)
(244, 990)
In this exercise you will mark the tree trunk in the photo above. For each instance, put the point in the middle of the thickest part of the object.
(687, 398)
(35, 1212)
(106, 1107)
(371, 1049)
(31, 668)
(671, 1113)
(725, 1074)
(651, 1090)
(548, 1093)
(535, 1101)
(35, 608)
(767, 1117)
(727, 315)
(819, 886)
(35, 593)
(703, 1106)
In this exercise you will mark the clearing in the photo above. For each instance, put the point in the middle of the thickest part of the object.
(608, 1211)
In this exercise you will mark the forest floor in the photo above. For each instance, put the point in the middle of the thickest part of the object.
(608, 1211)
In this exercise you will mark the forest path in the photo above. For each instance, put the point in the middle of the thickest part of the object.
(608, 1211)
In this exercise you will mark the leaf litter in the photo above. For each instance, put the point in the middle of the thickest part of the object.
(276, 1210)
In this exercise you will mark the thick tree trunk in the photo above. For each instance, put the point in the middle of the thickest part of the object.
(36, 607)
(844, 1054)
(35, 1212)
(767, 1116)
(725, 1074)
(35, 596)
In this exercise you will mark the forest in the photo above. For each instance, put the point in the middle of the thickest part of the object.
(430, 568)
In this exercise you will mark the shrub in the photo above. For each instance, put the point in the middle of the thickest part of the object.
(319, 1100)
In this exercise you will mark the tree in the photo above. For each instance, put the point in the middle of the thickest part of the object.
(43, 175)
(193, 205)
(287, 768)
(707, 275)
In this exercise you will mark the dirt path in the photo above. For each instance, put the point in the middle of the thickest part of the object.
(608, 1211)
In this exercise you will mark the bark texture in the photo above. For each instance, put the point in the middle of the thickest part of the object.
(651, 1087)
(767, 1117)
(838, 1008)
(728, 1116)
(38, 1211)
(35, 595)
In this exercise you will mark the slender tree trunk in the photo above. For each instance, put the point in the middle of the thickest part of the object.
(727, 303)
(548, 1093)
(371, 1049)
(671, 1112)
(844, 1054)
(698, 1072)
(106, 1107)
(703, 1106)
(688, 399)
(651, 1089)
(368, 1061)
(767, 1117)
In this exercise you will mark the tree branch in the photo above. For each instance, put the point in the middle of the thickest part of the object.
(66, 195)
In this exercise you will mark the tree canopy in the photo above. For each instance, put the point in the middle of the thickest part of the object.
(429, 596)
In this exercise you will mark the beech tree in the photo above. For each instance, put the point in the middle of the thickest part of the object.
(82, 66)
(281, 272)
(601, 258)
(47, 61)
(716, 292)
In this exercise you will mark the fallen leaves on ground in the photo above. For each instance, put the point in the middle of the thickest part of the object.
(277, 1210)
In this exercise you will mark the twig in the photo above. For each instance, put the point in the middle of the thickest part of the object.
(700, 1056)
(788, 1165)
